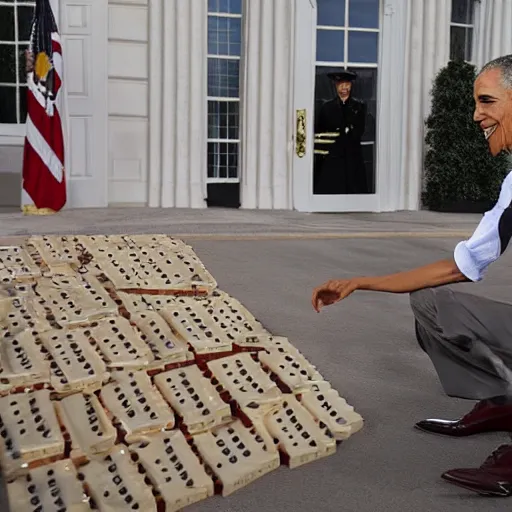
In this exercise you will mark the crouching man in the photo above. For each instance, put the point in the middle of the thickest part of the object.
(468, 338)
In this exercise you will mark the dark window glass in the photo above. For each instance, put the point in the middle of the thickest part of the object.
(14, 39)
(7, 23)
(461, 39)
(25, 15)
(222, 160)
(7, 104)
(22, 74)
(223, 78)
(225, 6)
(23, 104)
(223, 117)
(365, 89)
(364, 13)
(224, 41)
(224, 36)
(463, 11)
(363, 47)
(331, 13)
(8, 63)
(330, 45)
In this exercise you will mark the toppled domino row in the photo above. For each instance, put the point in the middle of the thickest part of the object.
(139, 406)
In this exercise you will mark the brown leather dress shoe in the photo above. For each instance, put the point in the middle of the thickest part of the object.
(492, 478)
(486, 416)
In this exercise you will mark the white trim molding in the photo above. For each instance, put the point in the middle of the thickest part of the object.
(178, 103)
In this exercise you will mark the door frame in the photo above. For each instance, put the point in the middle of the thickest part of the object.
(90, 106)
(304, 100)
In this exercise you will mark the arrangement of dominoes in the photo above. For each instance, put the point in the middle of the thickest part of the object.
(130, 381)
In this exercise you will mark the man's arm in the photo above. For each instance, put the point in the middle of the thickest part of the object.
(470, 261)
(429, 276)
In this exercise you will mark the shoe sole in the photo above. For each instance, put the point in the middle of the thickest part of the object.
(506, 490)
(432, 432)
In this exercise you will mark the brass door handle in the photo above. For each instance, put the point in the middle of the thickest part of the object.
(300, 135)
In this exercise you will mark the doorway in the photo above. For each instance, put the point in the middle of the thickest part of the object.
(337, 170)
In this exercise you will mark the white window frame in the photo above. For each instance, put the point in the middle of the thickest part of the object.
(465, 26)
(13, 134)
(209, 180)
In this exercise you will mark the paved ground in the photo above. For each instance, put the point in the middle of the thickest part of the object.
(364, 346)
(228, 222)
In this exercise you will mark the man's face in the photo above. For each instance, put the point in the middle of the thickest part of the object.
(344, 87)
(493, 110)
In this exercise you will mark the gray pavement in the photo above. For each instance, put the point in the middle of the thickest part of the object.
(364, 346)
(229, 222)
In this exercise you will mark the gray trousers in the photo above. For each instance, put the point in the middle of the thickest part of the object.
(468, 339)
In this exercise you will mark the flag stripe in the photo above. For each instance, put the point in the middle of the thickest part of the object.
(49, 127)
(44, 150)
(40, 184)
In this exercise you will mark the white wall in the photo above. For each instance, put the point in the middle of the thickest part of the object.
(11, 161)
(128, 101)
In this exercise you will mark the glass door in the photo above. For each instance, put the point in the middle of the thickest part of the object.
(343, 118)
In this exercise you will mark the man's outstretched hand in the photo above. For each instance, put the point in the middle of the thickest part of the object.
(436, 274)
(331, 292)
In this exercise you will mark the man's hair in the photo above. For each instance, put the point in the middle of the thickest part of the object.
(505, 65)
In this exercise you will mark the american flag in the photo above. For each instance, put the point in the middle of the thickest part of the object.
(44, 181)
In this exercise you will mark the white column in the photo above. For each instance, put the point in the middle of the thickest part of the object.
(415, 45)
(178, 103)
(427, 50)
(267, 113)
(390, 97)
(493, 30)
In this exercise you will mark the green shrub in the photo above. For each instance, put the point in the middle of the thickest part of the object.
(459, 167)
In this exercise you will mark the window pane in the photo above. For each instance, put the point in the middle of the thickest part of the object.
(23, 104)
(364, 88)
(22, 74)
(331, 13)
(25, 15)
(363, 47)
(222, 160)
(6, 23)
(461, 43)
(224, 36)
(462, 11)
(330, 45)
(7, 104)
(364, 13)
(225, 6)
(8, 63)
(223, 120)
(223, 78)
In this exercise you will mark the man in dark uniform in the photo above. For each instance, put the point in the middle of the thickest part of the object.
(339, 127)
(467, 337)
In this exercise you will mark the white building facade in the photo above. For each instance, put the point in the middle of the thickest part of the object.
(197, 103)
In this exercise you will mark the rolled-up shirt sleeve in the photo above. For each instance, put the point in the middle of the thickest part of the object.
(490, 239)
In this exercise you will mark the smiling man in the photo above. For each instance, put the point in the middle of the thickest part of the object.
(468, 338)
